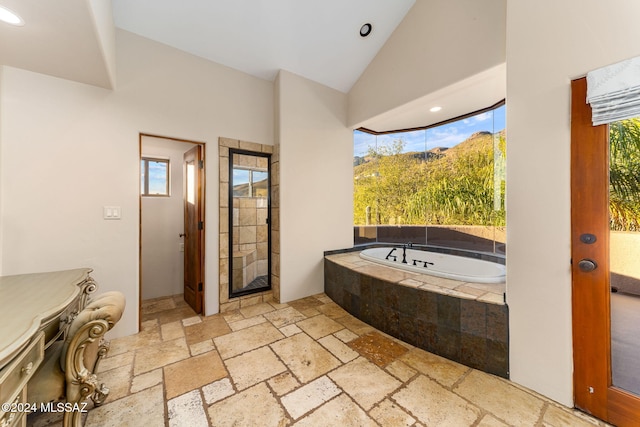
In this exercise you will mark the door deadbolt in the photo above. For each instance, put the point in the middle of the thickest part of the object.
(587, 265)
(588, 238)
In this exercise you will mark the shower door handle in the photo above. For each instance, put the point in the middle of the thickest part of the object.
(587, 265)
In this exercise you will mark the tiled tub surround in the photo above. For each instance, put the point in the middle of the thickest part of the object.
(464, 322)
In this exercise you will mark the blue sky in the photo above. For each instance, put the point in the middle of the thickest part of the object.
(442, 136)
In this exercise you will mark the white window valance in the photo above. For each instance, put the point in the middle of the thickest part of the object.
(614, 91)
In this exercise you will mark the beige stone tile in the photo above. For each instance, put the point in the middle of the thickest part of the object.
(305, 303)
(193, 373)
(156, 356)
(147, 405)
(253, 367)
(233, 316)
(169, 316)
(387, 413)
(310, 396)
(187, 410)
(306, 358)
(245, 323)
(158, 304)
(364, 382)
(565, 417)
(332, 310)
(319, 326)
(434, 405)
(217, 390)
(256, 310)
(502, 399)
(117, 381)
(211, 327)
(491, 421)
(341, 411)
(255, 406)
(283, 383)
(356, 326)
(401, 370)
(445, 371)
(309, 312)
(149, 324)
(143, 381)
(191, 320)
(284, 317)
(171, 331)
(345, 335)
(290, 330)
(246, 340)
(392, 275)
(201, 347)
(338, 348)
(117, 361)
(134, 342)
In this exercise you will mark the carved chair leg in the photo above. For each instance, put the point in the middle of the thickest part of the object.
(100, 395)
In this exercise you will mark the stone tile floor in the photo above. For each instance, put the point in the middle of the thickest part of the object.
(305, 363)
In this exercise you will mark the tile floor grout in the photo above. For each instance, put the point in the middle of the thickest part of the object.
(305, 363)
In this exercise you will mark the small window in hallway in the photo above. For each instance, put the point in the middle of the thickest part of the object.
(154, 177)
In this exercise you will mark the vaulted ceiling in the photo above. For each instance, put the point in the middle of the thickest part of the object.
(317, 39)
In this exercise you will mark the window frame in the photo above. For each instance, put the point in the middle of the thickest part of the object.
(144, 175)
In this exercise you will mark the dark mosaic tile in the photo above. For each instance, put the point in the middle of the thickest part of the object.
(426, 335)
(448, 312)
(347, 300)
(473, 351)
(392, 322)
(497, 322)
(365, 289)
(391, 296)
(377, 348)
(427, 307)
(407, 329)
(448, 343)
(407, 300)
(473, 318)
(497, 358)
(377, 316)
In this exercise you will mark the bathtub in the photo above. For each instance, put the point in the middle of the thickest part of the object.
(437, 264)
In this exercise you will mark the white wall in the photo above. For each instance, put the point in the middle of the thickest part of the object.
(68, 149)
(439, 43)
(549, 43)
(316, 181)
(162, 222)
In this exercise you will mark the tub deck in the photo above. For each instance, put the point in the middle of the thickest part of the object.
(464, 322)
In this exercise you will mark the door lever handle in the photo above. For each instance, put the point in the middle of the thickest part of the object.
(182, 234)
(587, 265)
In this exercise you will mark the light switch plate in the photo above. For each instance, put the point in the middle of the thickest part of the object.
(111, 212)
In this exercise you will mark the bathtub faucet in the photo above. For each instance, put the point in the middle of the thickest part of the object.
(389, 255)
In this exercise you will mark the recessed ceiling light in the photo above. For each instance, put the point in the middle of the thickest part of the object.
(435, 109)
(10, 17)
(365, 30)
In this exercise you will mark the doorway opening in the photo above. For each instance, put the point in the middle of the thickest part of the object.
(171, 259)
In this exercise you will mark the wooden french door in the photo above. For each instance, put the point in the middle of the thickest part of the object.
(194, 228)
(593, 389)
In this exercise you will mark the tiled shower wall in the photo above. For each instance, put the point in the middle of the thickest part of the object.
(226, 303)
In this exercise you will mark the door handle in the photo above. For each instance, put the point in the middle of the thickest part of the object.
(587, 265)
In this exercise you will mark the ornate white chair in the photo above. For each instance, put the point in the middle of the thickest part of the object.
(68, 372)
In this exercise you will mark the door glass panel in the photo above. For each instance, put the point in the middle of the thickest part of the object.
(249, 243)
(624, 208)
